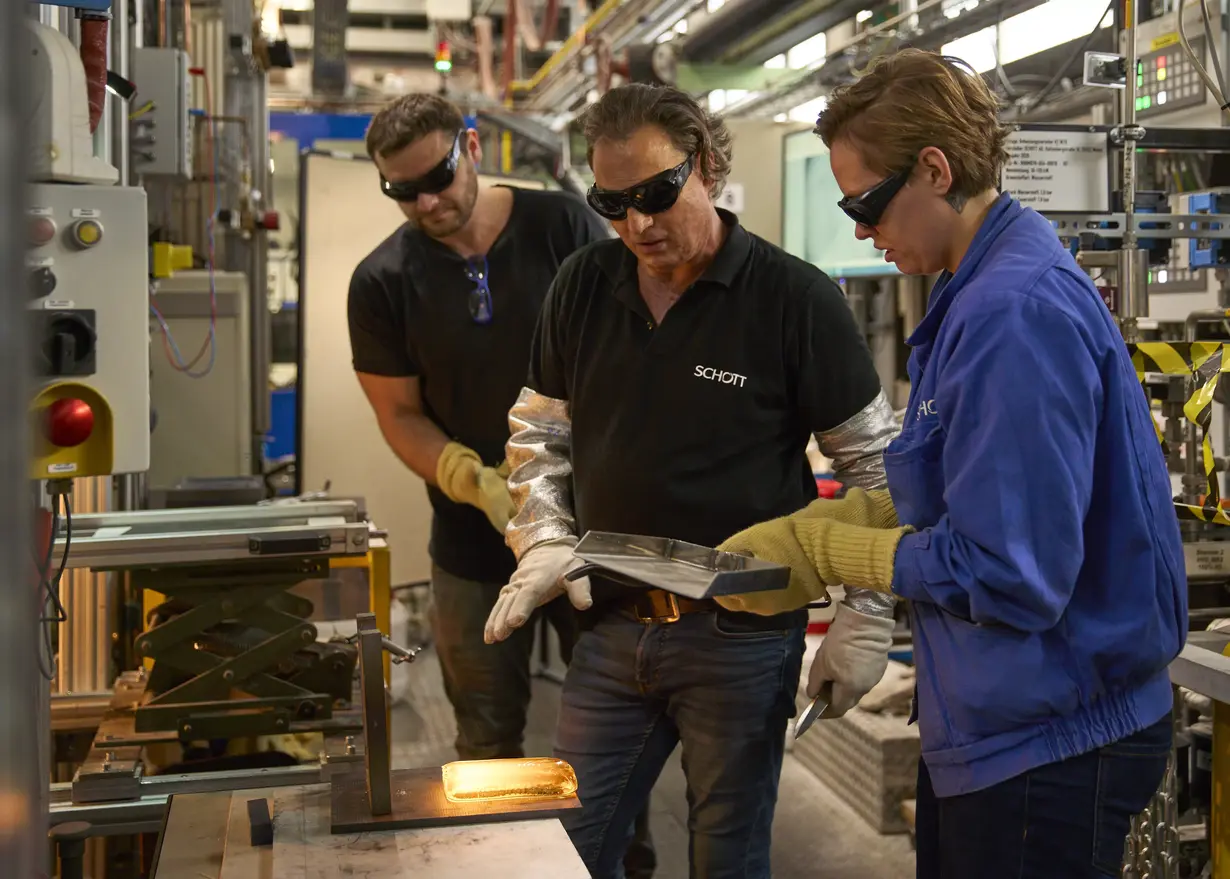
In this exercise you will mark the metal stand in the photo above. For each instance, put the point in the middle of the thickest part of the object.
(245, 596)
(70, 848)
(383, 799)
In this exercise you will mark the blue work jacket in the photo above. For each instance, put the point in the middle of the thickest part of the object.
(1046, 576)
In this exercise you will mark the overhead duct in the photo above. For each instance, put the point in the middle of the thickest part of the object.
(753, 31)
(842, 60)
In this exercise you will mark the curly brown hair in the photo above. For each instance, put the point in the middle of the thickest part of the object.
(914, 99)
(692, 129)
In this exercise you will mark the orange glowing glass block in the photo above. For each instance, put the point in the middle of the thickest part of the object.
(535, 778)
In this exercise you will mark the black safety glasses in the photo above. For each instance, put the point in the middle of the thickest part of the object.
(433, 182)
(481, 310)
(869, 207)
(653, 196)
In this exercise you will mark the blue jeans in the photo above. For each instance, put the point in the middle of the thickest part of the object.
(720, 684)
(1067, 820)
(488, 685)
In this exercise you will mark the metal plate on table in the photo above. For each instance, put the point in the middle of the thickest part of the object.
(676, 566)
(419, 801)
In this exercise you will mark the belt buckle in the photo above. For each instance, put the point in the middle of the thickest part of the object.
(672, 616)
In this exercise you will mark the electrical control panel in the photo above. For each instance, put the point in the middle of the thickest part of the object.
(87, 279)
(161, 140)
(1166, 79)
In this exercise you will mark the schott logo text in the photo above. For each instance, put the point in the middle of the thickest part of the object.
(717, 375)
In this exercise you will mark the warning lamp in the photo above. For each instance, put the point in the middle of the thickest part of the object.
(444, 58)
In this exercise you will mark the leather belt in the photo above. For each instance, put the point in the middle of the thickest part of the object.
(660, 606)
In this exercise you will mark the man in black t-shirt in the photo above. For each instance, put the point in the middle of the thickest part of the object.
(675, 379)
(441, 316)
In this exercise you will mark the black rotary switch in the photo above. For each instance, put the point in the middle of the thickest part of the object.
(42, 283)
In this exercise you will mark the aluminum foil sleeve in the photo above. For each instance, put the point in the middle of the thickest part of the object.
(856, 448)
(540, 471)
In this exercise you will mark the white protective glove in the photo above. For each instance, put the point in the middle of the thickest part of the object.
(538, 579)
(852, 658)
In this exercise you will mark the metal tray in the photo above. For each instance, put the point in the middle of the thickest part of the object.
(682, 568)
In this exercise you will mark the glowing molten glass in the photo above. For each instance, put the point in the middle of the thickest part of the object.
(537, 778)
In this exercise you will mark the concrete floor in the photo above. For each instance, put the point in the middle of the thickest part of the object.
(815, 836)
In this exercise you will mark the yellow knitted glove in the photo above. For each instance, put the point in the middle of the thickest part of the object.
(460, 474)
(852, 555)
(775, 541)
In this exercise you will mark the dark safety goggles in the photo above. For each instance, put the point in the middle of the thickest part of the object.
(653, 196)
(433, 182)
(868, 208)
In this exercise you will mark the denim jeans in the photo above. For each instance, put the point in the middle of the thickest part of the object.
(1067, 820)
(488, 685)
(720, 684)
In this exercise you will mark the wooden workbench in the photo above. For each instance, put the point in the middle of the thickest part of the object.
(207, 837)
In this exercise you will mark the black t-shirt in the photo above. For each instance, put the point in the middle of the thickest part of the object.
(410, 316)
(697, 428)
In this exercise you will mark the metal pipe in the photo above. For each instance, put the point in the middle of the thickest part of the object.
(24, 730)
(1191, 327)
(119, 61)
(261, 320)
(573, 43)
(1133, 268)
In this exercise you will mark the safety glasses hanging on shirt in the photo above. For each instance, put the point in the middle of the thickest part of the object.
(653, 196)
(868, 208)
(433, 182)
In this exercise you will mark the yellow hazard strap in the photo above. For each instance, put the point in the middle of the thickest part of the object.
(1204, 363)
(1209, 515)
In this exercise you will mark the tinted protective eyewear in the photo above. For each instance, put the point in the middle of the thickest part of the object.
(433, 182)
(481, 310)
(653, 196)
(868, 208)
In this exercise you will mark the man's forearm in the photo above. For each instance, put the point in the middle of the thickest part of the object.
(416, 441)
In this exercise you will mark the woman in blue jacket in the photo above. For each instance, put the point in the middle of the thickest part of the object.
(1037, 542)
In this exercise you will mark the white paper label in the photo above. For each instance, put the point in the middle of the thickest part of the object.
(1059, 170)
(39, 262)
(40, 212)
(58, 304)
(86, 213)
(62, 468)
(732, 198)
(1207, 557)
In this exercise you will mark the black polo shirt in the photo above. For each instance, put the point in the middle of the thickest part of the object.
(697, 428)
(409, 316)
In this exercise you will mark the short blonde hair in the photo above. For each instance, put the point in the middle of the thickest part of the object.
(914, 99)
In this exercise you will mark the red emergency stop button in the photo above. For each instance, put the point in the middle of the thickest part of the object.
(69, 423)
(42, 230)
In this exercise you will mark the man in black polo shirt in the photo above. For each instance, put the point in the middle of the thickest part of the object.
(674, 382)
(441, 318)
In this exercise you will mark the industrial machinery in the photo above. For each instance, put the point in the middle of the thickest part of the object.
(1141, 206)
(231, 650)
(87, 285)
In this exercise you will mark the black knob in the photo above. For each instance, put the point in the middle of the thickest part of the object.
(42, 282)
(68, 346)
